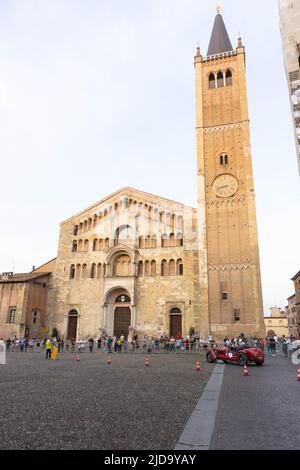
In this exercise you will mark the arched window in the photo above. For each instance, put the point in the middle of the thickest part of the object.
(122, 265)
(107, 243)
(99, 270)
(121, 299)
(75, 230)
(78, 271)
(180, 222)
(153, 241)
(148, 242)
(72, 271)
(179, 267)
(172, 240)
(220, 79)
(173, 221)
(93, 271)
(140, 268)
(124, 234)
(104, 269)
(86, 245)
(84, 271)
(95, 244)
(153, 268)
(228, 78)
(179, 239)
(164, 241)
(141, 242)
(164, 267)
(224, 160)
(172, 268)
(147, 268)
(74, 246)
(212, 81)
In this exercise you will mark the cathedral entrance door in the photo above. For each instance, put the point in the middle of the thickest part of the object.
(72, 325)
(175, 325)
(122, 321)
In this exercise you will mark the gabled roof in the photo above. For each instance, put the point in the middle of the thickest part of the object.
(22, 277)
(219, 41)
(131, 193)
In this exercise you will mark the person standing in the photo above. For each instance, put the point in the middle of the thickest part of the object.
(119, 345)
(48, 349)
(110, 344)
(172, 344)
(91, 344)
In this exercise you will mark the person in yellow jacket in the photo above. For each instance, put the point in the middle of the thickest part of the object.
(48, 349)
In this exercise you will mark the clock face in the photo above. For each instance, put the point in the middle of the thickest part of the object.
(225, 186)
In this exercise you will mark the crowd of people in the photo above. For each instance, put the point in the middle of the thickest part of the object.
(110, 344)
(283, 345)
(272, 345)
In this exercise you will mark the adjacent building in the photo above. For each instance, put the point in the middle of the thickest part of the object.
(296, 280)
(289, 11)
(23, 302)
(277, 323)
(292, 316)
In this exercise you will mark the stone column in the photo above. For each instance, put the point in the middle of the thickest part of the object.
(133, 316)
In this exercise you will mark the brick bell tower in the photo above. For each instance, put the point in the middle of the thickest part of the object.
(230, 280)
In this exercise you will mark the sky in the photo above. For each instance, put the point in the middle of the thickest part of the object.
(96, 95)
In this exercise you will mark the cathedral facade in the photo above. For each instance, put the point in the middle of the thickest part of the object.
(129, 261)
(136, 262)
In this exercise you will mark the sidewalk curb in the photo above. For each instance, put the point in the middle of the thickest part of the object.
(198, 432)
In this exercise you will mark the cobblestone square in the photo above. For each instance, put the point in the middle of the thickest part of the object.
(66, 404)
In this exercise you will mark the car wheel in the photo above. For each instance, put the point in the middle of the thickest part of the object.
(209, 358)
(242, 359)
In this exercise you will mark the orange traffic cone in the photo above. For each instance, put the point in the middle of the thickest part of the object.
(109, 360)
(299, 375)
(147, 362)
(77, 358)
(198, 368)
(246, 371)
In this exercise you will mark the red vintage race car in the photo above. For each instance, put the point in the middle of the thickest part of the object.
(243, 356)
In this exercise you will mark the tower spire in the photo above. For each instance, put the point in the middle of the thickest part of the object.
(219, 41)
